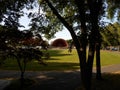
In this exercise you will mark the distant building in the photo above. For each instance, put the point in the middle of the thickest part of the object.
(59, 43)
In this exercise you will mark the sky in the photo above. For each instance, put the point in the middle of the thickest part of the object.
(64, 34)
(61, 34)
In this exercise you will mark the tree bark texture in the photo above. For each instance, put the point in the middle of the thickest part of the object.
(98, 63)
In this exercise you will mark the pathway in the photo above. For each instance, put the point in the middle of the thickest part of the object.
(52, 80)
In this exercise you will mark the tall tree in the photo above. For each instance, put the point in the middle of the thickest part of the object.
(83, 10)
(80, 17)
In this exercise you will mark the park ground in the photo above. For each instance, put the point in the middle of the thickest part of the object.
(54, 80)
(64, 79)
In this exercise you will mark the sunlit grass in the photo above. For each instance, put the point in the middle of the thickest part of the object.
(110, 58)
(62, 60)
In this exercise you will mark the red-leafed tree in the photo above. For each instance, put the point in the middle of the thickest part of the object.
(11, 46)
(59, 43)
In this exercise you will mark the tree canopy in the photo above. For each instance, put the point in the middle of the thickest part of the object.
(80, 17)
(113, 9)
(111, 34)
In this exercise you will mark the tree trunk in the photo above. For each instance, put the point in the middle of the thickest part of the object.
(22, 72)
(85, 66)
(95, 8)
(98, 63)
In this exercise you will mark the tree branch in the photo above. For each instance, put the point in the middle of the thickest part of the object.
(69, 27)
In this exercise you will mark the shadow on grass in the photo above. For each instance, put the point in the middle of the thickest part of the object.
(57, 53)
(53, 66)
(61, 66)
(52, 58)
(55, 56)
(111, 81)
(63, 80)
(71, 81)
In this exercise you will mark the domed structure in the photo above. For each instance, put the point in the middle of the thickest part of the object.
(59, 43)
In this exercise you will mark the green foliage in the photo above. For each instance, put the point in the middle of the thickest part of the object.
(111, 34)
(78, 16)
(11, 11)
(11, 46)
(113, 9)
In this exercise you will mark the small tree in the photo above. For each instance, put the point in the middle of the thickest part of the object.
(11, 46)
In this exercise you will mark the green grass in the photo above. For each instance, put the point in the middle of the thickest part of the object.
(110, 58)
(62, 60)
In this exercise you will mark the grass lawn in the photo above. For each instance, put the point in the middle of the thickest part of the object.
(62, 60)
(110, 57)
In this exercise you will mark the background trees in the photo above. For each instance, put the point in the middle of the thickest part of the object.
(84, 10)
(110, 35)
(79, 17)
(113, 9)
(59, 43)
(12, 46)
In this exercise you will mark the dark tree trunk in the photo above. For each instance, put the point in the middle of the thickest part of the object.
(83, 44)
(94, 7)
(85, 66)
(98, 63)
(90, 64)
(22, 73)
(80, 46)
